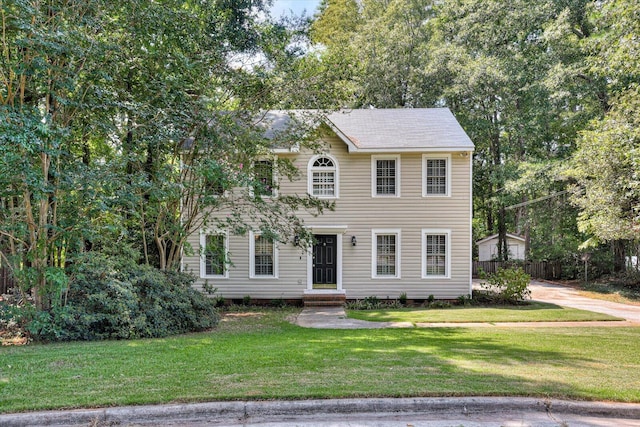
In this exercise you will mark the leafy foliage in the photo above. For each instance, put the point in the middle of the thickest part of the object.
(547, 90)
(508, 285)
(113, 298)
(112, 131)
(373, 303)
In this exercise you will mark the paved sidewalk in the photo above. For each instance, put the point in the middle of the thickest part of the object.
(336, 318)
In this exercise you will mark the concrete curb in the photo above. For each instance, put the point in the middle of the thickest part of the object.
(234, 412)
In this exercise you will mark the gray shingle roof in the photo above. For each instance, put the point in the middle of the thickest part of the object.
(381, 130)
(405, 129)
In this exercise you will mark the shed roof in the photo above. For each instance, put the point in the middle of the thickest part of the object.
(495, 236)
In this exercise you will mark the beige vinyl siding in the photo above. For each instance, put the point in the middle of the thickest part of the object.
(359, 212)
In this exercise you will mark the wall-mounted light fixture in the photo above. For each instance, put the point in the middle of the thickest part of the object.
(296, 240)
(354, 241)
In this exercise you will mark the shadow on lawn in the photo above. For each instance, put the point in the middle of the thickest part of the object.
(529, 305)
(452, 361)
(270, 358)
(480, 313)
(447, 343)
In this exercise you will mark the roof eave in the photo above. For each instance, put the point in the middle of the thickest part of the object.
(413, 150)
(350, 145)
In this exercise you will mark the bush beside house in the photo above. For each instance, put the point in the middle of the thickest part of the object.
(114, 298)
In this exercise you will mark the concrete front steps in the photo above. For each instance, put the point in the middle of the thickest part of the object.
(318, 298)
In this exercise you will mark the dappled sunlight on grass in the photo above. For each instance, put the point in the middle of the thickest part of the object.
(226, 317)
(532, 312)
(267, 357)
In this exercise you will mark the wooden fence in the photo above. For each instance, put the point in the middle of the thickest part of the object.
(6, 281)
(539, 270)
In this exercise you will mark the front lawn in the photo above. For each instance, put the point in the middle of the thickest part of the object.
(531, 312)
(261, 355)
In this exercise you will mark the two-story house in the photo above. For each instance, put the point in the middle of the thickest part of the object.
(401, 183)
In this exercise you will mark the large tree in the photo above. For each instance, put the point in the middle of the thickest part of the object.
(111, 130)
(374, 49)
(531, 82)
(48, 58)
(606, 165)
(514, 74)
(493, 69)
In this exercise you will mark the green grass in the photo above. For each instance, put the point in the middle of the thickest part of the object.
(263, 356)
(532, 312)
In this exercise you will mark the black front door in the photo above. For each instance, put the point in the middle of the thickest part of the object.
(325, 252)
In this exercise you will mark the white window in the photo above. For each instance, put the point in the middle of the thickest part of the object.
(214, 249)
(385, 176)
(436, 175)
(323, 177)
(385, 259)
(263, 255)
(264, 178)
(436, 254)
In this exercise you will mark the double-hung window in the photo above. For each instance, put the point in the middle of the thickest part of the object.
(264, 178)
(385, 176)
(385, 260)
(214, 247)
(263, 257)
(436, 175)
(436, 253)
(323, 177)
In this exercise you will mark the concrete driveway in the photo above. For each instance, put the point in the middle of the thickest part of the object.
(569, 297)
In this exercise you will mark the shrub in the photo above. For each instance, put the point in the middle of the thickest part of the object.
(508, 285)
(464, 300)
(278, 303)
(439, 304)
(111, 298)
(403, 298)
(628, 278)
(373, 303)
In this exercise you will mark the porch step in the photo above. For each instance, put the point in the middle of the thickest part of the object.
(324, 300)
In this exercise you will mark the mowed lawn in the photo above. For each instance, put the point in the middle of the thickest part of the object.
(533, 311)
(260, 355)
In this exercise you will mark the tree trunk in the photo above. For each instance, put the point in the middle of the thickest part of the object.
(503, 249)
(619, 255)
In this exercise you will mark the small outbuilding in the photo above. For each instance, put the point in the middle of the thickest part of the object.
(488, 247)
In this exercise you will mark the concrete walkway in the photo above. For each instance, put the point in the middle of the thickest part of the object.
(336, 318)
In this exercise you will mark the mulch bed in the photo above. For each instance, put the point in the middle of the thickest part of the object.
(11, 333)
